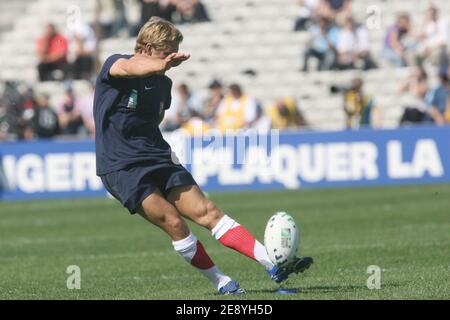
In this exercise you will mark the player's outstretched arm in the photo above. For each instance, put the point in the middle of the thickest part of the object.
(143, 65)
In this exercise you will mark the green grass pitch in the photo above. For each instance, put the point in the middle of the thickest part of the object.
(404, 230)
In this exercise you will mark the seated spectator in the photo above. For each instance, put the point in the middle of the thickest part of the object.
(69, 114)
(433, 39)
(322, 45)
(9, 125)
(195, 124)
(51, 49)
(353, 47)
(336, 10)
(236, 111)
(191, 11)
(437, 99)
(416, 84)
(418, 88)
(261, 121)
(284, 113)
(156, 8)
(82, 46)
(306, 14)
(29, 104)
(167, 9)
(111, 18)
(213, 101)
(17, 107)
(87, 115)
(44, 122)
(447, 112)
(395, 42)
(360, 109)
(182, 104)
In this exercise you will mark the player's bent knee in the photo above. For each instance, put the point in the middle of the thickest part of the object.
(209, 215)
(175, 223)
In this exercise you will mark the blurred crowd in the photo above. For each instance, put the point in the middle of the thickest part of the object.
(337, 41)
(228, 108)
(27, 115)
(115, 19)
(72, 55)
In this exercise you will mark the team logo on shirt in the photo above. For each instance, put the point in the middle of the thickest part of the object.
(132, 101)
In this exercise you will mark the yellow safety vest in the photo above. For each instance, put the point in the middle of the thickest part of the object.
(447, 115)
(232, 118)
(278, 121)
(195, 127)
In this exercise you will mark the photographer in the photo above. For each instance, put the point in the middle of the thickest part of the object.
(359, 108)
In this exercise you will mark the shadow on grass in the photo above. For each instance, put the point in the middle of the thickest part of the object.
(325, 289)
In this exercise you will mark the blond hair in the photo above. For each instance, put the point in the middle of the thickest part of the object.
(158, 33)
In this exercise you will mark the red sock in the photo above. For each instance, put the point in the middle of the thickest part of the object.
(232, 235)
(201, 259)
(240, 240)
(193, 252)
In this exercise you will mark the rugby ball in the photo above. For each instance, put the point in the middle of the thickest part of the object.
(281, 238)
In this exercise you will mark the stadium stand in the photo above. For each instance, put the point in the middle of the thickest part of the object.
(249, 42)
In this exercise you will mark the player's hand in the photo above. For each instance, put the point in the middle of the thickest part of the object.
(175, 59)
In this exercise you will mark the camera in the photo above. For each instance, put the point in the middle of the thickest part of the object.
(355, 85)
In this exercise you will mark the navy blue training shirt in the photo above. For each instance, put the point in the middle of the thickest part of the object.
(126, 114)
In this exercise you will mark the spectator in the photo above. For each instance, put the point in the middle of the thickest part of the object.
(192, 11)
(284, 113)
(336, 10)
(156, 8)
(51, 49)
(29, 101)
(111, 18)
(236, 111)
(182, 104)
(322, 45)
(87, 115)
(447, 112)
(417, 86)
(395, 42)
(120, 21)
(195, 124)
(360, 109)
(261, 121)
(44, 122)
(9, 126)
(82, 47)
(353, 47)
(213, 101)
(29, 104)
(433, 39)
(14, 115)
(437, 99)
(306, 14)
(69, 114)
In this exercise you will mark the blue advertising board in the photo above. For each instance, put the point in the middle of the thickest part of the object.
(290, 160)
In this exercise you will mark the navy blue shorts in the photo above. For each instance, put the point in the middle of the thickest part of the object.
(132, 185)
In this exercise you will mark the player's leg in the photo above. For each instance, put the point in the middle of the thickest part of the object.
(192, 204)
(161, 213)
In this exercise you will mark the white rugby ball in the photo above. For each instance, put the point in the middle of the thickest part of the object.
(281, 238)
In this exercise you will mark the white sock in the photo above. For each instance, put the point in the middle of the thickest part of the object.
(224, 224)
(190, 248)
(261, 255)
